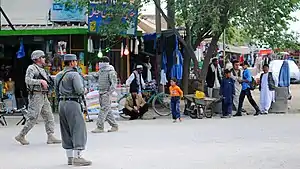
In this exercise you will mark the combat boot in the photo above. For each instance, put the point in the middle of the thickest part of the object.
(70, 160)
(114, 129)
(98, 130)
(21, 139)
(53, 140)
(81, 162)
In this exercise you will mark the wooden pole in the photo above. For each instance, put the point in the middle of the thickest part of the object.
(128, 58)
(158, 33)
(224, 48)
(70, 45)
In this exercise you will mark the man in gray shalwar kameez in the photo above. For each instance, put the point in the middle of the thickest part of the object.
(70, 89)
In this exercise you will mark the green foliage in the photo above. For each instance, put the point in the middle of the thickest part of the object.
(115, 12)
(236, 36)
(262, 21)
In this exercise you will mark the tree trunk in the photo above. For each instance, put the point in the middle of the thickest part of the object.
(188, 48)
(211, 51)
(186, 62)
(171, 12)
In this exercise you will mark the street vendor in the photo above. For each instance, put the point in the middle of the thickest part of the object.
(135, 105)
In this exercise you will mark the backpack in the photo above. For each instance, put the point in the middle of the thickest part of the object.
(253, 84)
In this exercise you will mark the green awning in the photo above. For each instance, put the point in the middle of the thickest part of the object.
(28, 31)
(47, 31)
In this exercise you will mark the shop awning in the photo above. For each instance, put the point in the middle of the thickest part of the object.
(42, 30)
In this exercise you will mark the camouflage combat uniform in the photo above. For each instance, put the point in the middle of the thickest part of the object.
(107, 82)
(38, 102)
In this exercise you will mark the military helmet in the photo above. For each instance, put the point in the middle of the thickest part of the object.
(37, 54)
(70, 57)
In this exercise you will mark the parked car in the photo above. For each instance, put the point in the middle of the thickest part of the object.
(275, 67)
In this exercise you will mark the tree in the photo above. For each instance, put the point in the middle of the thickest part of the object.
(236, 36)
(262, 20)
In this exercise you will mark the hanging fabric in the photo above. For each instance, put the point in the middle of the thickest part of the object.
(142, 44)
(90, 45)
(21, 52)
(163, 72)
(131, 45)
(100, 54)
(177, 69)
(62, 46)
(136, 48)
(122, 49)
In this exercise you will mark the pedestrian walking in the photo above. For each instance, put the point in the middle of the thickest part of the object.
(70, 88)
(38, 82)
(175, 93)
(107, 82)
(227, 91)
(267, 90)
(246, 91)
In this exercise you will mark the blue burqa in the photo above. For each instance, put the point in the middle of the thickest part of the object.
(284, 78)
(177, 69)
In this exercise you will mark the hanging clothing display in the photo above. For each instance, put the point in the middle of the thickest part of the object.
(149, 74)
(122, 49)
(90, 45)
(177, 69)
(131, 45)
(136, 48)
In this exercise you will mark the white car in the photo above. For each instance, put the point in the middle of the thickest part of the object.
(275, 66)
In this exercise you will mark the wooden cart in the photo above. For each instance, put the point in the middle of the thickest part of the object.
(199, 108)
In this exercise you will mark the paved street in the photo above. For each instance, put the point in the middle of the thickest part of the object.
(267, 142)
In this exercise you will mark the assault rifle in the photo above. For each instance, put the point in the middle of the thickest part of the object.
(49, 81)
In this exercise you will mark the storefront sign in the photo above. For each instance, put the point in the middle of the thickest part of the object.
(97, 18)
(59, 13)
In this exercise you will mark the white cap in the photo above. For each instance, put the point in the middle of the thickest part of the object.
(139, 67)
(37, 54)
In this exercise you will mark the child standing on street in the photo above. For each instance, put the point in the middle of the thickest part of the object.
(175, 93)
(227, 91)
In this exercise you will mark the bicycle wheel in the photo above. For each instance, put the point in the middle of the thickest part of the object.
(121, 105)
(161, 104)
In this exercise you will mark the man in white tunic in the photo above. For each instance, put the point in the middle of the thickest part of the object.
(213, 76)
(236, 75)
(267, 89)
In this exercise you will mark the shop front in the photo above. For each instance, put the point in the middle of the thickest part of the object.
(17, 46)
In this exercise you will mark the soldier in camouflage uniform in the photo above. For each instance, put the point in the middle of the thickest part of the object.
(107, 81)
(37, 81)
(70, 89)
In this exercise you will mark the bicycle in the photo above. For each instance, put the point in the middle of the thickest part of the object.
(153, 98)
(14, 112)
